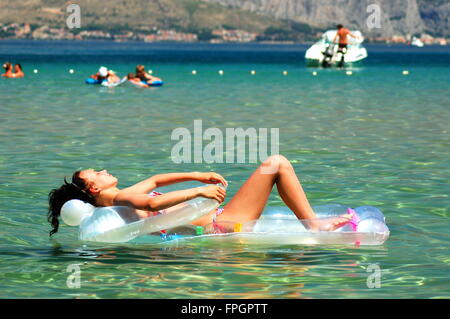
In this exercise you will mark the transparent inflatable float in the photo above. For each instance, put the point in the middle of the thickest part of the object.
(276, 226)
(279, 226)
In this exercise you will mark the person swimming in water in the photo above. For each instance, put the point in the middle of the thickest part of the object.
(13, 72)
(135, 80)
(7, 66)
(101, 75)
(104, 74)
(18, 71)
(99, 188)
(342, 34)
(145, 76)
(113, 77)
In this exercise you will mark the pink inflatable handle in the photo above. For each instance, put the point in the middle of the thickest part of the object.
(354, 221)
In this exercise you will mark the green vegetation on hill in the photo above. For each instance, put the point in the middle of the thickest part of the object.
(116, 16)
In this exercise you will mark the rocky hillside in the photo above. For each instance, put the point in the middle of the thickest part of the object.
(435, 15)
(272, 19)
(183, 15)
(397, 16)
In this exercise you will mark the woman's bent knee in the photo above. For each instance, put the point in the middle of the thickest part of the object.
(273, 164)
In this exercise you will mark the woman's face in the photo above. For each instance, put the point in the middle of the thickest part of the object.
(98, 179)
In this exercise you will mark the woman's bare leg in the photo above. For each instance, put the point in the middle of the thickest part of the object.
(249, 202)
(251, 198)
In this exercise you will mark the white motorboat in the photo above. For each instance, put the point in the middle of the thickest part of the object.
(417, 42)
(325, 52)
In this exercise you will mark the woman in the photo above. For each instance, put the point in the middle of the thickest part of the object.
(7, 66)
(18, 71)
(100, 189)
(144, 76)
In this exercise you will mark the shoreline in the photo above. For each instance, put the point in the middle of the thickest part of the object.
(281, 43)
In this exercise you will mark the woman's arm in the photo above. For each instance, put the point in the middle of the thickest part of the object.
(161, 180)
(145, 202)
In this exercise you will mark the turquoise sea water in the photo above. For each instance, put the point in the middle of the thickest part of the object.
(377, 138)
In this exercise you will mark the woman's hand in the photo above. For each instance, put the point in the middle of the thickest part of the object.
(212, 178)
(213, 192)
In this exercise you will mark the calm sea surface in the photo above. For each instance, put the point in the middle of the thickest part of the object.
(377, 138)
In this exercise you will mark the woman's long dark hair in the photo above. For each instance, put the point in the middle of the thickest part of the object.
(77, 189)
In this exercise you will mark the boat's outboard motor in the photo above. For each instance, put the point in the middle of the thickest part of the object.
(328, 56)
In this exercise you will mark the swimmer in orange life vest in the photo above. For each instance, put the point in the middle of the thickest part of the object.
(343, 42)
(99, 188)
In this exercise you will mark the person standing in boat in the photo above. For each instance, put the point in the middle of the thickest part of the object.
(342, 34)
